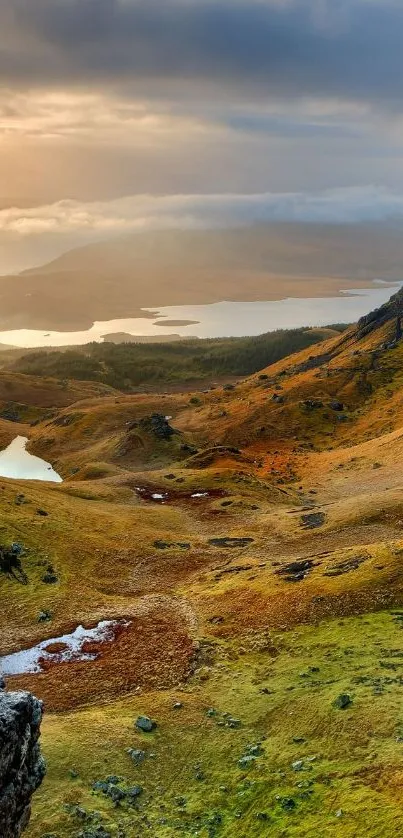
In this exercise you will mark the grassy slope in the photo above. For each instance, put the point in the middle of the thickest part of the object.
(127, 366)
(219, 628)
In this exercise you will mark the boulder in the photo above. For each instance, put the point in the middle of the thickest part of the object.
(22, 767)
(145, 724)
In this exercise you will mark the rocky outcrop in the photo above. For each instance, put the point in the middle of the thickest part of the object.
(158, 425)
(388, 311)
(22, 767)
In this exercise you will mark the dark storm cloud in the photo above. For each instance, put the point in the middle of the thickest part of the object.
(338, 48)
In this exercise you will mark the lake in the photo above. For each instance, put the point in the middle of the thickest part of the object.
(225, 319)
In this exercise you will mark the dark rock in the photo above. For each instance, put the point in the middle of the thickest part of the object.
(312, 404)
(22, 767)
(50, 577)
(145, 724)
(134, 792)
(295, 571)
(346, 566)
(313, 520)
(42, 512)
(342, 701)
(137, 755)
(234, 724)
(10, 562)
(116, 794)
(44, 616)
(335, 405)
(165, 545)
(227, 541)
(288, 804)
(10, 413)
(158, 425)
(189, 449)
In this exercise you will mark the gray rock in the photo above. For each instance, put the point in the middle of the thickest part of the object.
(44, 616)
(298, 765)
(145, 724)
(247, 761)
(134, 792)
(22, 767)
(342, 701)
(137, 755)
(228, 541)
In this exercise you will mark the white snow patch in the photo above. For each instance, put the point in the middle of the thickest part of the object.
(30, 660)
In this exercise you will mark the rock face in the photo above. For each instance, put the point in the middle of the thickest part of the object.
(158, 425)
(22, 767)
(392, 309)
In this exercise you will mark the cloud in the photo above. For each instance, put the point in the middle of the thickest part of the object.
(142, 212)
(32, 236)
(349, 49)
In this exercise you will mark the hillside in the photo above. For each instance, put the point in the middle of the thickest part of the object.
(248, 542)
(128, 366)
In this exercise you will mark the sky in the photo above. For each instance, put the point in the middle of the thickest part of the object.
(125, 114)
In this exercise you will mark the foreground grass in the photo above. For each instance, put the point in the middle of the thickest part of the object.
(318, 770)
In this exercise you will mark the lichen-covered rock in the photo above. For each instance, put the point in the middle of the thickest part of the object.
(22, 767)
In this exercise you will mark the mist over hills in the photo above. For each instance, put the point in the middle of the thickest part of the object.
(116, 278)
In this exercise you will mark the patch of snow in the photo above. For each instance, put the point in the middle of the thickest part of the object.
(30, 660)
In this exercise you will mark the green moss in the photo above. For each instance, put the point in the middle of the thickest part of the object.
(347, 764)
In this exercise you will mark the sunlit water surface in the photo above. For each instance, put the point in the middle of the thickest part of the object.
(15, 461)
(223, 319)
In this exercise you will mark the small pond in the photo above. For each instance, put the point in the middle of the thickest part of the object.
(15, 461)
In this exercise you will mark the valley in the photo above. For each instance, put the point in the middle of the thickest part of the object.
(246, 542)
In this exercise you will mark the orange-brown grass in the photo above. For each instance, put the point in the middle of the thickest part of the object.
(155, 650)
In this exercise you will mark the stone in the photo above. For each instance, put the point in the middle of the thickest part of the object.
(50, 577)
(159, 425)
(133, 792)
(227, 541)
(137, 755)
(298, 765)
(313, 520)
(247, 761)
(44, 616)
(22, 767)
(234, 724)
(342, 701)
(288, 804)
(145, 724)
(116, 794)
(295, 571)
